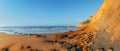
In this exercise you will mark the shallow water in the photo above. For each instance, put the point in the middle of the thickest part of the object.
(36, 29)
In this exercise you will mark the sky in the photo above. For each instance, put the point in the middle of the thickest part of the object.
(46, 12)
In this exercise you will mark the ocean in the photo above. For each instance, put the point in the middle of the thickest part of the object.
(36, 29)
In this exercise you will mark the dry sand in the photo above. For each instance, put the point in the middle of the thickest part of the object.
(78, 40)
(28, 43)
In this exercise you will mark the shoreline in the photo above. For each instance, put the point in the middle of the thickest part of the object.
(36, 29)
(72, 40)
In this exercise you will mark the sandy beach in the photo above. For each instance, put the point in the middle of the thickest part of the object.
(26, 24)
(78, 40)
(28, 43)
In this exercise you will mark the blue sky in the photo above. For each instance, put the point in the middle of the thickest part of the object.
(46, 12)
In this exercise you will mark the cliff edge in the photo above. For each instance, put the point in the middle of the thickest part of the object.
(107, 22)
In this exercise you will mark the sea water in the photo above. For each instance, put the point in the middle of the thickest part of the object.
(36, 29)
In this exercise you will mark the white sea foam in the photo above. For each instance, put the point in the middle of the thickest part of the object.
(36, 29)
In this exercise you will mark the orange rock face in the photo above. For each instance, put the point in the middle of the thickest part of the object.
(107, 20)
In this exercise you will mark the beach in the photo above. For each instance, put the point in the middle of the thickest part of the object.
(65, 41)
(27, 43)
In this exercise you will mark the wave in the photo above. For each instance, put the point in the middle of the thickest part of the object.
(36, 29)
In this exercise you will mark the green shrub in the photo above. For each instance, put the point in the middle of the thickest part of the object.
(91, 16)
(85, 22)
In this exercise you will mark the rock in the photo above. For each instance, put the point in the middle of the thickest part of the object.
(65, 35)
(31, 34)
(35, 50)
(61, 36)
(61, 42)
(54, 49)
(28, 47)
(68, 50)
(44, 36)
(101, 49)
(39, 35)
(22, 47)
(110, 49)
(97, 50)
(66, 45)
(55, 40)
(5, 49)
(73, 49)
(74, 45)
(49, 41)
(79, 48)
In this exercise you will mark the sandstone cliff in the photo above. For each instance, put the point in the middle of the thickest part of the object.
(107, 21)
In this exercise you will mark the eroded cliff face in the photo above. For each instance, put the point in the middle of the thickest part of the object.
(108, 18)
(107, 21)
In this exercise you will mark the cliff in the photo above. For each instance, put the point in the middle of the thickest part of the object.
(107, 22)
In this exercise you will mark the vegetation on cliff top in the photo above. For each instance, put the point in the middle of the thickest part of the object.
(85, 22)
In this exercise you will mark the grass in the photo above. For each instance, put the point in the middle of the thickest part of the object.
(85, 22)
(91, 16)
